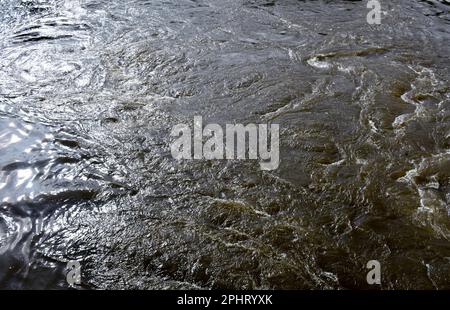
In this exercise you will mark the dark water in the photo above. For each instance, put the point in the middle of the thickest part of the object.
(89, 91)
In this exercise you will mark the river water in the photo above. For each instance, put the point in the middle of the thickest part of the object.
(89, 91)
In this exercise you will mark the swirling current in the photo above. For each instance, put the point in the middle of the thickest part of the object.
(90, 89)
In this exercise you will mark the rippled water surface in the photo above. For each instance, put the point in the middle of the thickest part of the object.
(89, 91)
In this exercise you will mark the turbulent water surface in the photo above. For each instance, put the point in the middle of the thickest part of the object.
(89, 90)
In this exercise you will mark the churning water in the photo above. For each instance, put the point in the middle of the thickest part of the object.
(89, 90)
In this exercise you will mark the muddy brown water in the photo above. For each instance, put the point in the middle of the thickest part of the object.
(89, 91)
